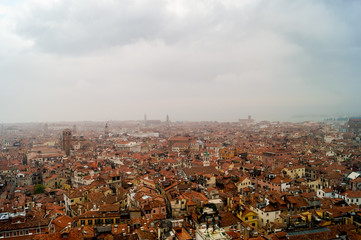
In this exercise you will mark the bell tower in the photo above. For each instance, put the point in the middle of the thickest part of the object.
(206, 162)
(106, 130)
(67, 137)
(145, 120)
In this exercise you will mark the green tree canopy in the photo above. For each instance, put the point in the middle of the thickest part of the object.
(39, 188)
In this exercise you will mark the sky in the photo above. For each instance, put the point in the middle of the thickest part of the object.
(215, 60)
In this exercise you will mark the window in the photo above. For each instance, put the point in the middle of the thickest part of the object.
(109, 221)
(21, 233)
(37, 230)
(7, 234)
(26, 232)
(99, 221)
(14, 234)
(246, 218)
(82, 222)
(153, 211)
(90, 222)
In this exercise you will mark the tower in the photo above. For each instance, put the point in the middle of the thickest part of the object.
(67, 137)
(167, 125)
(25, 159)
(106, 130)
(206, 162)
(75, 130)
(167, 120)
(145, 119)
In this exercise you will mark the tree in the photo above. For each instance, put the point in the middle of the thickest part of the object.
(235, 178)
(39, 188)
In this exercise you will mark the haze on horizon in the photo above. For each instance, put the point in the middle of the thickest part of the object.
(219, 60)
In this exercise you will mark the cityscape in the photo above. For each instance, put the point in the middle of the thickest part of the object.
(180, 120)
(159, 179)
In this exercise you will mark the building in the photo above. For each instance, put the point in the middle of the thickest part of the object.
(128, 146)
(243, 183)
(179, 140)
(248, 216)
(354, 125)
(107, 215)
(67, 137)
(246, 120)
(55, 181)
(42, 154)
(21, 224)
(211, 233)
(295, 172)
(72, 198)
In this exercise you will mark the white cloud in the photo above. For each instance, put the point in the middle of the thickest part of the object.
(193, 59)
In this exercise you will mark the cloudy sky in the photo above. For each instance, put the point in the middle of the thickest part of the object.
(216, 60)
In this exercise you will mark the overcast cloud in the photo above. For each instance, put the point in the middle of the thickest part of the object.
(194, 60)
